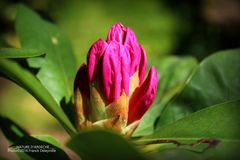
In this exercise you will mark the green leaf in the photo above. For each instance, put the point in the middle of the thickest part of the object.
(215, 81)
(219, 123)
(59, 64)
(48, 139)
(19, 53)
(25, 79)
(173, 72)
(102, 144)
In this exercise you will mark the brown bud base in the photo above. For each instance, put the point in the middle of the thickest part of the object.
(116, 113)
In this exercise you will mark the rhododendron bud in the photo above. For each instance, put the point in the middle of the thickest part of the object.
(110, 90)
(125, 36)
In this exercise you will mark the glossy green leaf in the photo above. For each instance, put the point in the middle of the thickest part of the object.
(28, 81)
(218, 125)
(19, 53)
(215, 81)
(221, 121)
(102, 144)
(59, 64)
(173, 72)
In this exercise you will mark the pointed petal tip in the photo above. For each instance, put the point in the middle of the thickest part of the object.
(143, 96)
(94, 56)
(142, 65)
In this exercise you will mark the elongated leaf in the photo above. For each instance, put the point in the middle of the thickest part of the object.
(25, 79)
(221, 121)
(59, 64)
(215, 81)
(217, 126)
(48, 139)
(102, 144)
(173, 72)
(19, 53)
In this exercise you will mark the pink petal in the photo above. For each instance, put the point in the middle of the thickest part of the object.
(142, 65)
(125, 36)
(94, 56)
(111, 72)
(116, 33)
(135, 54)
(115, 71)
(82, 80)
(130, 37)
(125, 69)
(143, 96)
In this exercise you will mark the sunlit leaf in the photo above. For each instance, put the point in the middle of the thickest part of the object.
(59, 64)
(28, 81)
(215, 81)
(217, 127)
(19, 53)
(48, 139)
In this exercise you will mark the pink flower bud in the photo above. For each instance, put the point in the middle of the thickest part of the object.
(94, 56)
(142, 65)
(125, 36)
(111, 86)
(115, 71)
(143, 96)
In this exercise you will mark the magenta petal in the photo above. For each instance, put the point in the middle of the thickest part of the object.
(111, 72)
(94, 56)
(143, 96)
(130, 38)
(115, 71)
(135, 54)
(134, 50)
(125, 36)
(82, 81)
(116, 33)
(142, 65)
(125, 69)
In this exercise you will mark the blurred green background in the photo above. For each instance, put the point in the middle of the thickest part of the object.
(164, 27)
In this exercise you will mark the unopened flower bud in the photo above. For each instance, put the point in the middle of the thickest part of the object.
(110, 90)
